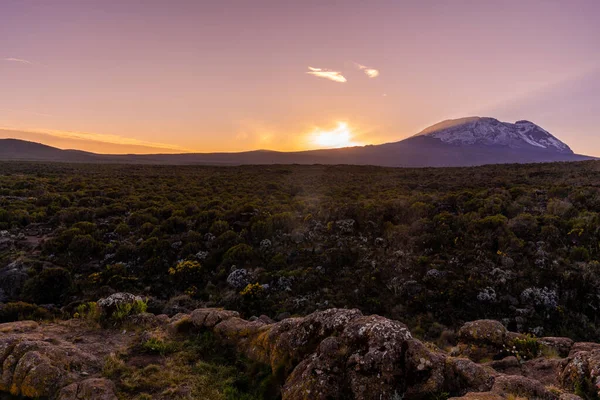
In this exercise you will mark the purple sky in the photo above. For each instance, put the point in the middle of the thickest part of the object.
(137, 76)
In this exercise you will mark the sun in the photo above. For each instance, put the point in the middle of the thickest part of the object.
(340, 136)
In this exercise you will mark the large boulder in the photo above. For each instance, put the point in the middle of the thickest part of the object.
(582, 373)
(340, 353)
(463, 373)
(209, 317)
(483, 339)
(38, 369)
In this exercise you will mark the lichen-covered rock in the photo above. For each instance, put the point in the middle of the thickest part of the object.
(89, 389)
(583, 346)
(483, 339)
(582, 372)
(33, 368)
(110, 303)
(38, 369)
(209, 317)
(463, 373)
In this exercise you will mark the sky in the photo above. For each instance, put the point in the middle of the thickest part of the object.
(147, 76)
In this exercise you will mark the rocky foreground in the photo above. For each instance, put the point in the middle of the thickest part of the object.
(332, 354)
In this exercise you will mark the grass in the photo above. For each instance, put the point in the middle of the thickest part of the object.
(197, 368)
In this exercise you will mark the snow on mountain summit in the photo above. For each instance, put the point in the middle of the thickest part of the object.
(491, 132)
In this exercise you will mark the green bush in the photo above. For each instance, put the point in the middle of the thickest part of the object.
(20, 311)
(48, 287)
(125, 310)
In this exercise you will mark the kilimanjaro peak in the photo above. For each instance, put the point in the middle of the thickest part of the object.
(492, 132)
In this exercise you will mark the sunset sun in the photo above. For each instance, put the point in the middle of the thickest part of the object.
(340, 136)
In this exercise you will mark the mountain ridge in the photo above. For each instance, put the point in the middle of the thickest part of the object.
(467, 141)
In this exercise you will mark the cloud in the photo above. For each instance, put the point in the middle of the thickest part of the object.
(327, 74)
(89, 141)
(370, 72)
(18, 60)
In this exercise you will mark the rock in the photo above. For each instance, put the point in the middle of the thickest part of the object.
(38, 369)
(561, 345)
(266, 319)
(282, 316)
(583, 346)
(147, 320)
(209, 317)
(18, 327)
(180, 323)
(340, 353)
(582, 372)
(479, 396)
(89, 389)
(569, 396)
(520, 386)
(110, 303)
(462, 372)
(544, 370)
(239, 278)
(508, 365)
(482, 339)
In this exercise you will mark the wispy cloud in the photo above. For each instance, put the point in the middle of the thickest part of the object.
(370, 72)
(327, 74)
(18, 60)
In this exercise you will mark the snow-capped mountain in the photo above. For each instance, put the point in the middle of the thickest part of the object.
(491, 132)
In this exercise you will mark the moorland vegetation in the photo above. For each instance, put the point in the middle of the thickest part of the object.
(432, 248)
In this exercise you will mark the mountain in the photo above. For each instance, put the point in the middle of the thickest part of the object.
(15, 149)
(491, 132)
(452, 143)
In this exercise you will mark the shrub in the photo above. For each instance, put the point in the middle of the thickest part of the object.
(526, 348)
(252, 290)
(185, 268)
(88, 311)
(20, 311)
(48, 287)
(239, 254)
(124, 310)
(219, 227)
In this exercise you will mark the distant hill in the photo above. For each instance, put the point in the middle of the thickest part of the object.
(462, 142)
